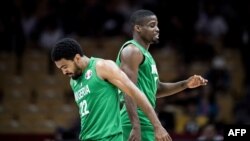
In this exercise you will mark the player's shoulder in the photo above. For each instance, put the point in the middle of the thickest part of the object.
(106, 68)
(131, 53)
(130, 49)
(102, 63)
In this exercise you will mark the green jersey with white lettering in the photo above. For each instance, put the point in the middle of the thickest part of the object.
(98, 103)
(147, 82)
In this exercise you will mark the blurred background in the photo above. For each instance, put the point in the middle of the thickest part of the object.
(206, 37)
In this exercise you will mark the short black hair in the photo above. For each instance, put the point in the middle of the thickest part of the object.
(66, 48)
(138, 17)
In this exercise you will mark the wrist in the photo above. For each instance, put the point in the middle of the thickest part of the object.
(185, 84)
(157, 126)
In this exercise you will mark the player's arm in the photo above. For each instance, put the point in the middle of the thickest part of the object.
(131, 58)
(109, 71)
(167, 89)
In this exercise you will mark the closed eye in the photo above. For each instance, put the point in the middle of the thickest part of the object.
(63, 67)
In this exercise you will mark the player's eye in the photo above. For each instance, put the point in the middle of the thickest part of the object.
(64, 67)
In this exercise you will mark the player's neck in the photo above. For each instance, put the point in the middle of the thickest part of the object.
(142, 42)
(85, 62)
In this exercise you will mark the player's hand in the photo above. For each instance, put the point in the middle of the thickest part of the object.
(135, 134)
(196, 81)
(161, 134)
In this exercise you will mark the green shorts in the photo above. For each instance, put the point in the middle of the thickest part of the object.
(147, 133)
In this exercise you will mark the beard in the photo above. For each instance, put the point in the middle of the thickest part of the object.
(77, 74)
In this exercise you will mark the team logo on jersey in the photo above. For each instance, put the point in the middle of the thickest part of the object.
(88, 74)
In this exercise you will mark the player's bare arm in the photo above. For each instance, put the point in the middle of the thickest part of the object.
(167, 89)
(108, 70)
(131, 58)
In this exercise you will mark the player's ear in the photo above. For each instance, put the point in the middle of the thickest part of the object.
(77, 58)
(137, 28)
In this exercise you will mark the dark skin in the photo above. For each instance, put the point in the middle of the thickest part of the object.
(131, 58)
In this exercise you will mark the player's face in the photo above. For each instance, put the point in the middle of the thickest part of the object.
(69, 68)
(150, 30)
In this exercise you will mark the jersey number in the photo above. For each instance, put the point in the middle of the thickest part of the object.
(83, 108)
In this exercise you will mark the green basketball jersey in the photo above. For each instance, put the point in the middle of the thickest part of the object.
(147, 82)
(98, 103)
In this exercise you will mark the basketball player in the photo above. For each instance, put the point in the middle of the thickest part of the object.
(136, 61)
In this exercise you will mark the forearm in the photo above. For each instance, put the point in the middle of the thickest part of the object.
(147, 108)
(167, 89)
(132, 111)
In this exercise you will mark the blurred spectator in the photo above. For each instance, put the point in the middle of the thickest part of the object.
(113, 20)
(29, 18)
(203, 50)
(219, 76)
(242, 110)
(207, 105)
(194, 121)
(51, 33)
(188, 121)
(88, 20)
(210, 22)
(48, 33)
(225, 104)
(209, 133)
